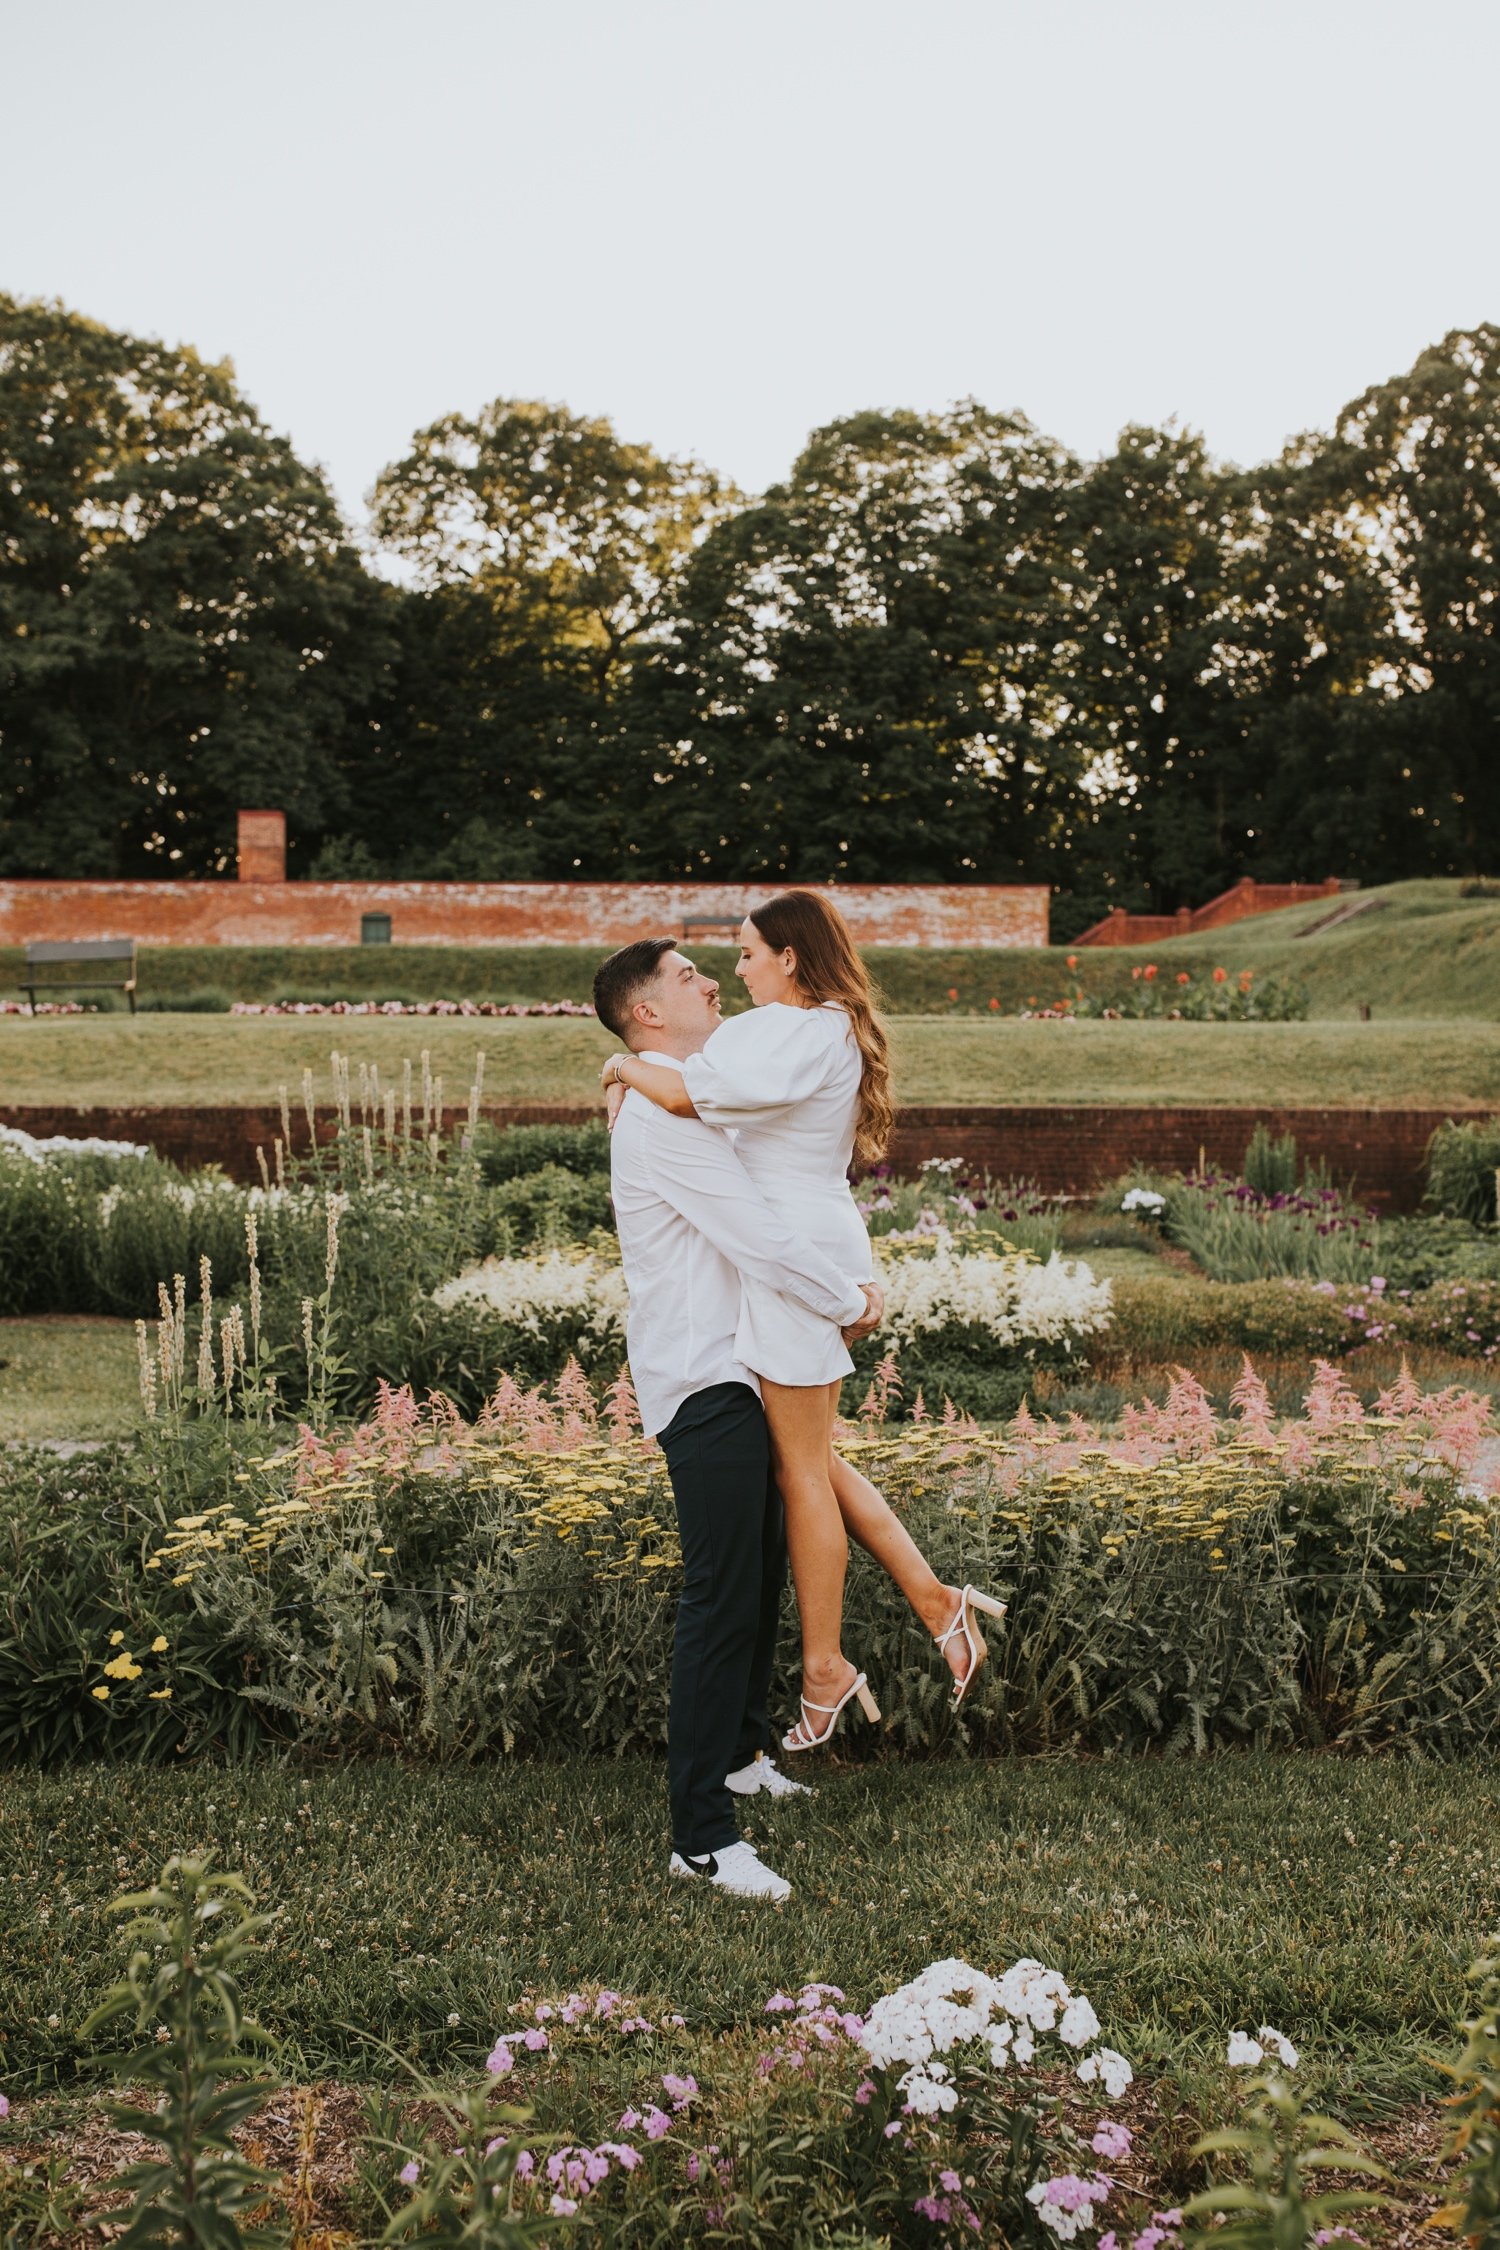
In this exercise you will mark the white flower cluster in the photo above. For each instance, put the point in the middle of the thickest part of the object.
(951, 2005)
(531, 1292)
(58, 1144)
(1246, 2053)
(1143, 1199)
(1017, 1299)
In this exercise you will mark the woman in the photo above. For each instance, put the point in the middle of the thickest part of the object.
(804, 1080)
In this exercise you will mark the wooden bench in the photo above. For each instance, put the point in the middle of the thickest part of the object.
(720, 929)
(49, 961)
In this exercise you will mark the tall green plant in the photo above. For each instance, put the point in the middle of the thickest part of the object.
(1474, 2212)
(1273, 2202)
(193, 1930)
(1463, 1170)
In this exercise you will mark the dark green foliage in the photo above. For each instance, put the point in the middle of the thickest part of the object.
(942, 649)
(182, 618)
(1463, 1162)
(520, 1149)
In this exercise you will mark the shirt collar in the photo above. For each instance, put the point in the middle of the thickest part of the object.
(666, 1062)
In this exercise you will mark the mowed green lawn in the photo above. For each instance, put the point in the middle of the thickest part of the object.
(67, 1376)
(1340, 1900)
(166, 1060)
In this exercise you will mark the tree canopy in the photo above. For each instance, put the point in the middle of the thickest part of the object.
(942, 649)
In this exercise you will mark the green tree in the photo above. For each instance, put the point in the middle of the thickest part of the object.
(864, 678)
(183, 625)
(1155, 669)
(545, 549)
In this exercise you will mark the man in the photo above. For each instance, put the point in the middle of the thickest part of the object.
(690, 1223)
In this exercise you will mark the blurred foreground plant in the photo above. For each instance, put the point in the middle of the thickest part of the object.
(193, 1930)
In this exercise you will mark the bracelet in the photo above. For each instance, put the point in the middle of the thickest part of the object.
(616, 1065)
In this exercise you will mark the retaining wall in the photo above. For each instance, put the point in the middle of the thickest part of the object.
(1065, 1151)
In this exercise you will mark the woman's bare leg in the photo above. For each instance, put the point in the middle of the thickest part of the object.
(800, 1421)
(871, 1521)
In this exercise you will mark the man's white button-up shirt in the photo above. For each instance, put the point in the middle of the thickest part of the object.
(690, 1224)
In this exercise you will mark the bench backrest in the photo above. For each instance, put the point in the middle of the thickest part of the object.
(44, 951)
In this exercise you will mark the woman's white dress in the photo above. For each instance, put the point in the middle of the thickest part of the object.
(786, 1081)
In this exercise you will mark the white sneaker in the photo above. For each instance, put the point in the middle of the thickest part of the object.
(764, 1775)
(735, 1869)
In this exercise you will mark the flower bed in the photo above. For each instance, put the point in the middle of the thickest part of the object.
(455, 1588)
(410, 1008)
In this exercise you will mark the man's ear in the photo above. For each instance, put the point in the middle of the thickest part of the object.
(646, 1015)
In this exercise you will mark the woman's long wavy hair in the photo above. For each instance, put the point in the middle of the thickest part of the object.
(828, 968)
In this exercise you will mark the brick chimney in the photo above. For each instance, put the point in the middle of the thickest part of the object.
(262, 847)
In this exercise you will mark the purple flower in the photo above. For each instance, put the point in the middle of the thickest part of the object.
(536, 2040)
(779, 2004)
(606, 2003)
(4, 2106)
(500, 2061)
(681, 2090)
(950, 2181)
(893, 2128)
(629, 2121)
(410, 2173)
(864, 2092)
(658, 2124)
(562, 2207)
(1111, 2139)
(525, 2164)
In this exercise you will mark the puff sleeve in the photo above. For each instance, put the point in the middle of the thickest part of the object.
(766, 1060)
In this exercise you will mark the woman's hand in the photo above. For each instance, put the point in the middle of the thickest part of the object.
(614, 1102)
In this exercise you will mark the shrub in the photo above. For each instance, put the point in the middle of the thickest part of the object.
(519, 1149)
(1462, 1164)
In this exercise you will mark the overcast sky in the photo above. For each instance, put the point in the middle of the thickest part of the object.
(721, 222)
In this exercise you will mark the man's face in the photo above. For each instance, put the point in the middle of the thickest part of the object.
(682, 1007)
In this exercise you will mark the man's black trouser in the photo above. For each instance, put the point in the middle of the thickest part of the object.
(734, 1558)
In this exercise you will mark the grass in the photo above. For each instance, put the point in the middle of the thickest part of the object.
(1425, 952)
(1340, 1901)
(66, 1377)
(166, 1061)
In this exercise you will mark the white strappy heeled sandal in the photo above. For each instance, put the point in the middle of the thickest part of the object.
(968, 1601)
(804, 1736)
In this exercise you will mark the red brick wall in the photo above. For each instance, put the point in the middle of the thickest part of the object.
(602, 914)
(1065, 1151)
(1244, 897)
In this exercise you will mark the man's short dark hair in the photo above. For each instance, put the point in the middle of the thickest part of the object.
(620, 981)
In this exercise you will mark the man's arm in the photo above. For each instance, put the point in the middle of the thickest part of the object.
(696, 1170)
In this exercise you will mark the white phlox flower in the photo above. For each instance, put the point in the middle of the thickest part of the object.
(1244, 2052)
(1111, 2070)
(927, 2090)
(951, 2004)
(1280, 2045)
(1079, 2023)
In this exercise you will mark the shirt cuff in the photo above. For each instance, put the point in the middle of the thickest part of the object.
(860, 1306)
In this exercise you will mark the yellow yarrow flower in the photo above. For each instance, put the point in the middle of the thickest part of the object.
(102, 1693)
(160, 1644)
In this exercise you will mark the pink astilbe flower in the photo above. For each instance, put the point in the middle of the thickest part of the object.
(580, 1416)
(1251, 1401)
(1331, 1404)
(1404, 1398)
(1460, 1422)
(504, 1409)
(622, 1411)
